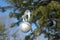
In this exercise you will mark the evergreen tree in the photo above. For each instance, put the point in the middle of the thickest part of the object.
(46, 12)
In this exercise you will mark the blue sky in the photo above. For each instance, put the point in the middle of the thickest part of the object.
(11, 31)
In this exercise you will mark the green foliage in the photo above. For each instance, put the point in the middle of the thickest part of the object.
(10, 14)
(12, 24)
(27, 37)
(2, 9)
(2, 29)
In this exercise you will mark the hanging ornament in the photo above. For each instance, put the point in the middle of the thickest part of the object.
(25, 26)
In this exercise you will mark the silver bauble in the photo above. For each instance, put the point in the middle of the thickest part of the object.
(25, 26)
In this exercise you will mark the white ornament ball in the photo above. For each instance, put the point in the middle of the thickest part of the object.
(25, 27)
